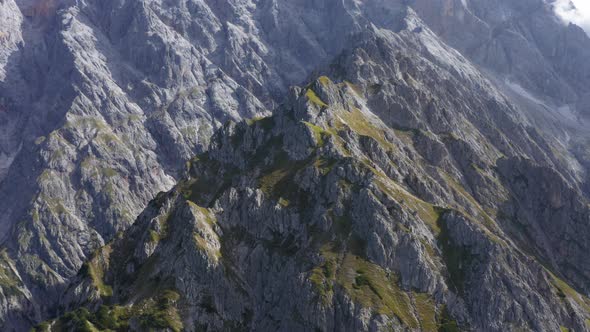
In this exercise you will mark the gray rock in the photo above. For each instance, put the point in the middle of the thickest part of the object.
(427, 124)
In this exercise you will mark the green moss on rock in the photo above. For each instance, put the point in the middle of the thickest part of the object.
(358, 122)
(366, 283)
(322, 279)
(426, 311)
(39, 140)
(319, 133)
(427, 212)
(312, 97)
(372, 287)
(265, 123)
(567, 292)
(9, 281)
(108, 172)
(325, 80)
(95, 270)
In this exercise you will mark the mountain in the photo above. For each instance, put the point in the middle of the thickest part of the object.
(435, 176)
(323, 217)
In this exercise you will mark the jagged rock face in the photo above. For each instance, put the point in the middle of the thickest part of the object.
(523, 41)
(105, 100)
(324, 217)
(547, 217)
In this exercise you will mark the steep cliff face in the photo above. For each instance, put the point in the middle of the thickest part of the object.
(524, 42)
(399, 196)
(537, 60)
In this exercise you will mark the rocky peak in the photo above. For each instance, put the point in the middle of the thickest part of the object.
(318, 200)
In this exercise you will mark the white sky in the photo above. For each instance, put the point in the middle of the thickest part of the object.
(575, 11)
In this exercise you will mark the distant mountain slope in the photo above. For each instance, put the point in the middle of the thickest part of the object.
(523, 41)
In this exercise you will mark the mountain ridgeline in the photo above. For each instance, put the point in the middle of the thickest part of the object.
(273, 165)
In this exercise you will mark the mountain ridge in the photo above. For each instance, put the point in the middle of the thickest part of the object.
(257, 200)
(147, 88)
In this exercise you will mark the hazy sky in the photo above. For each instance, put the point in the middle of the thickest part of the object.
(580, 14)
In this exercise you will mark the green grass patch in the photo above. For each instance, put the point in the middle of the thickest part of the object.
(426, 211)
(108, 172)
(277, 180)
(488, 222)
(210, 181)
(9, 281)
(55, 205)
(359, 123)
(204, 246)
(366, 283)
(566, 291)
(161, 314)
(372, 287)
(41, 327)
(163, 220)
(284, 202)
(198, 190)
(207, 214)
(269, 182)
(320, 134)
(206, 220)
(323, 277)
(86, 122)
(39, 140)
(35, 215)
(266, 123)
(109, 138)
(324, 165)
(154, 236)
(134, 118)
(312, 97)
(406, 135)
(95, 270)
(324, 80)
(426, 311)
(88, 162)
(45, 175)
